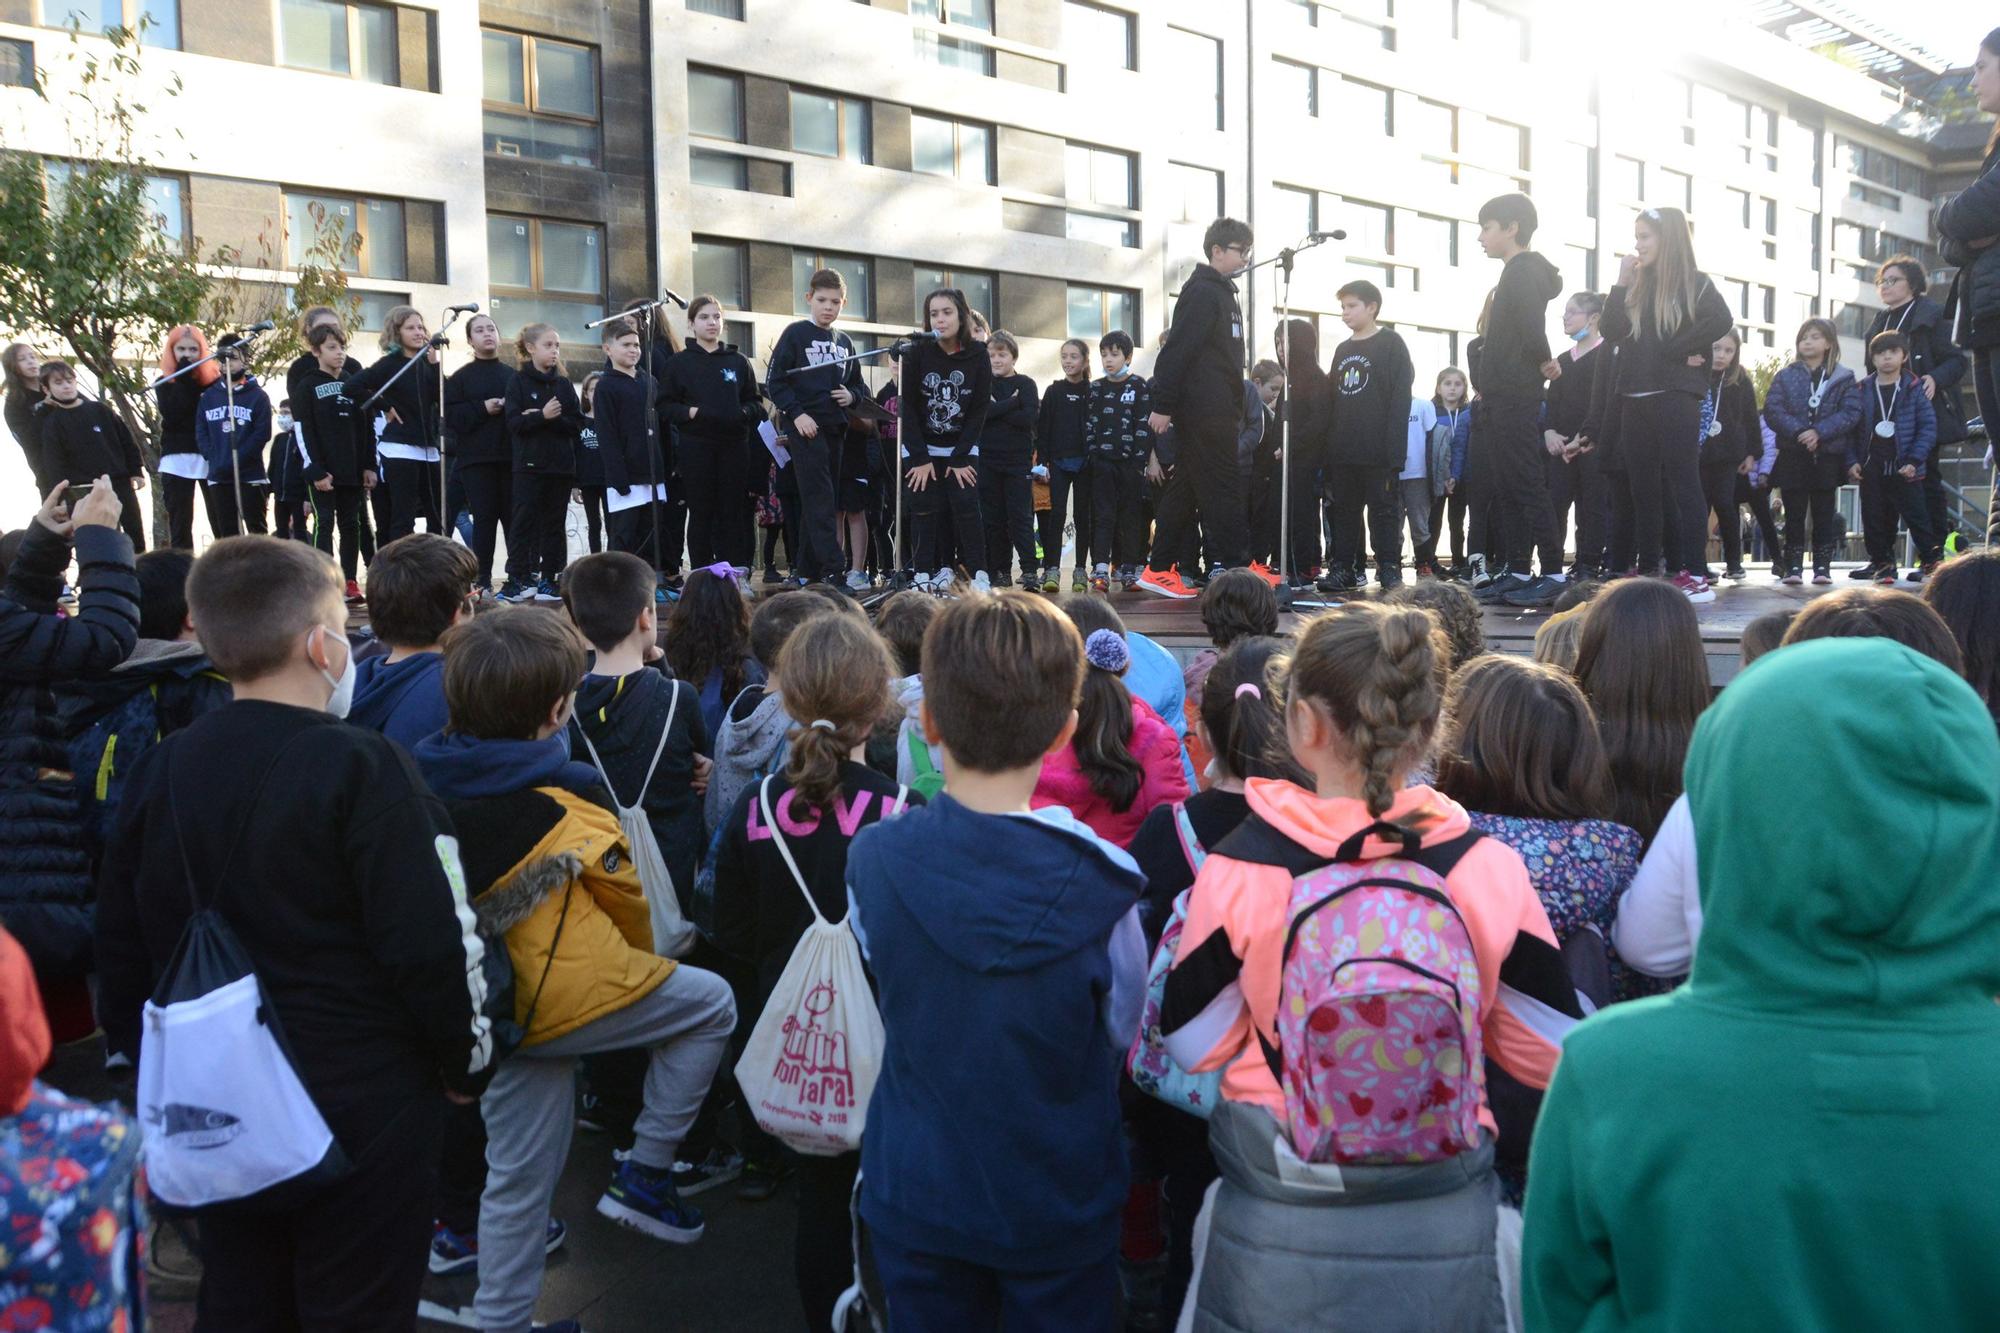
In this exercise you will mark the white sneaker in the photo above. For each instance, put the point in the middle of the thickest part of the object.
(1476, 566)
(981, 583)
(858, 581)
(942, 583)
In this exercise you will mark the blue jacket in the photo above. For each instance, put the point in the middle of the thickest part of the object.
(458, 767)
(402, 700)
(1010, 967)
(1461, 435)
(1915, 421)
(252, 409)
(1789, 410)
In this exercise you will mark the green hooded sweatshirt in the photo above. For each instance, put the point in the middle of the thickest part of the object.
(1803, 1136)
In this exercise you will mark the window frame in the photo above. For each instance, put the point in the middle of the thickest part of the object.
(539, 290)
(1175, 170)
(733, 78)
(352, 15)
(741, 251)
(944, 19)
(25, 49)
(360, 204)
(1126, 16)
(843, 103)
(1104, 295)
(819, 261)
(955, 277)
(531, 90)
(1177, 33)
(990, 175)
(1312, 73)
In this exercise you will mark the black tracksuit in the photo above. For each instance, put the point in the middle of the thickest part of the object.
(1579, 482)
(544, 470)
(339, 445)
(713, 401)
(345, 891)
(413, 483)
(88, 441)
(1118, 439)
(590, 482)
(1198, 381)
(810, 393)
(1006, 492)
(943, 423)
(482, 453)
(633, 454)
(1059, 446)
(1371, 382)
(177, 403)
(373, 512)
(1735, 434)
(1510, 382)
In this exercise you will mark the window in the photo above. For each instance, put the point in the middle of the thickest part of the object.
(541, 98)
(1434, 240)
(1197, 193)
(1434, 125)
(384, 250)
(1099, 176)
(1298, 86)
(1369, 106)
(1583, 263)
(941, 147)
(1575, 183)
(1737, 293)
(1102, 229)
(858, 272)
(1096, 311)
(1767, 301)
(1369, 30)
(715, 104)
(157, 22)
(829, 126)
(1853, 320)
(548, 272)
(1674, 189)
(1296, 212)
(166, 194)
(356, 40)
(725, 171)
(1872, 164)
(1092, 34)
(1371, 228)
(1739, 206)
(17, 63)
(935, 48)
(959, 13)
(722, 9)
(721, 269)
(1628, 179)
(1194, 63)
(1431, 350)
(978, 289)
(1868, 194)
(1503, 145)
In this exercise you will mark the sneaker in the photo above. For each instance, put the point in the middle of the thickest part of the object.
(1499, 587)
(718, 1168)
(1265, 572)
(1475, 571)
(1923, 571)
(941, 581)
(1425, 570)
(761, 1180)
(1536, 592)
(354, 597)
(858, 582)
(645, 1200)
(771, 575)
(1079, 581)
(1389, 578)
(980, 581)
(545, 591)
(1735, 574)
(1100, 579)
(1696, 588)
(1865, 572)
(1167, 583)
(458, 1251)
(1336, 580)
(510, 591)
(1887, 575)
(1822, 574)
(1793, 577)
(1052, 580)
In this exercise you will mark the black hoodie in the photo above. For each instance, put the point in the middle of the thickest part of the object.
(472, 434)
(949, 396)
(1517, 335)
(810, 393)
(339, 441)
(1308, 396)
(1372, 380)
(1009, 442)
(414, 398)
(1059, 427)
(721, 384)
(84, 442)
(1653, 360)
(628, 445)
(543, 445)
(178, 402)
(1199, 376)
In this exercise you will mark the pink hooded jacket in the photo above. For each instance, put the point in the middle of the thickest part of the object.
(1158, 751)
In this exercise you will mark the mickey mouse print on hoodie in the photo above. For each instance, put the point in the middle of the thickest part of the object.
(954, 390)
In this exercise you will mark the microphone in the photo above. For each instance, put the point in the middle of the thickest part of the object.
(923, 335)
(1337, 234)
(264, 327)
(677, 300)
(469, 309)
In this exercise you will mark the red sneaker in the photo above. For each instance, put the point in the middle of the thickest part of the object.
(1264, 572)
(354, 597)
(1169, 584)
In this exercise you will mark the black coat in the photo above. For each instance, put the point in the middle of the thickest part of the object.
(1653, 359)
(721, 386)
(45, 888)
(628, 443)
(1933, 353)
(1198, 378)
(339, 440)
(543, 445)
(1973, 214)
(179, 403)
(27, 431)
(472, 434)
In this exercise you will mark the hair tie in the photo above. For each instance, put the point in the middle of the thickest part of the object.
(821, 724)
(1249, 688)
(1106, 651)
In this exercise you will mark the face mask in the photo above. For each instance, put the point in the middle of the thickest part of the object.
(1580, 334)
(284, 421)
(343, 688)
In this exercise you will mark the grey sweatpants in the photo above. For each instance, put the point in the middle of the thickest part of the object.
(530, 1112)
(1417, 509)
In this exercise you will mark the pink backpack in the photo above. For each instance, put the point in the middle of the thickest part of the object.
(1378, 1036)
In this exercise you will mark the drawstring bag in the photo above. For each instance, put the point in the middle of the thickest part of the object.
(812, 1060)
(226, 1114)
(673, 934)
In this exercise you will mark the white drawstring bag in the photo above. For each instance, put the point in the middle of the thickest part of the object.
(673, 933)
(812, 1060)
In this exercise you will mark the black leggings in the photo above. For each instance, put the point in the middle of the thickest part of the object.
(180, 492)
(339, 508)
(289, 520)
(1118, 512)
(592, 499)
(489, 494)
(1063, 485)
(1659, 438)
(1816, 503)
(941, 498)
(541, 502)
(1718, 487)
(1447, 514)
(715, 477)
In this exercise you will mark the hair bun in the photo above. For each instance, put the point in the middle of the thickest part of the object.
(1106, 651)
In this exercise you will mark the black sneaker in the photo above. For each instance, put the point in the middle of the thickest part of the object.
(772, 575)
(718, 1168)
(1491, 594)
(1865, 573)
(1338, 580)
(1389, 578)
(1536, 592)
(760, 1180)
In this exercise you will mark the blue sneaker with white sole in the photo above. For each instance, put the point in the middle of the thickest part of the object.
(458, 1251)
(645, 1199)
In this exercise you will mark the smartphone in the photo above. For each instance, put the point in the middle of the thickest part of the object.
(73, 494)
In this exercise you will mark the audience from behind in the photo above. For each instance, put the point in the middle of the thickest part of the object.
(751, 740)
(1878, 613)
(901, 621)
(708, 642)
(1765, 633)
(1641, 665)
(1236, 604)
(1966, 592)
(1456, 611)
(1558, 639)
(419, 586)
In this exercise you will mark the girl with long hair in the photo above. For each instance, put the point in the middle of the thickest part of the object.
(1059, 449)
(1309, 400)
(712, 403)
(1642, 667)
(543, 419)
(1732, 452)
(408, 447)
(1813, 406)
(1451, 395)
(1666, 315)
(20, 376)
(475, 396)
(950, 386)
(708, 642)
(182, 468)
(590, 467)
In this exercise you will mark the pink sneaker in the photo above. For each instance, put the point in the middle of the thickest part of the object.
(1696, 588)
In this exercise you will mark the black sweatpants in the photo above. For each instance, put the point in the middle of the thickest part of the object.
(1718, 488)
(1447, 515)
(1062, 486)
(632, 531)
(461, 1168)
(537, 541)
(1118, 512)
(374, 518)
(715, 477)
(413, 495)
(1511, 434)
(1007, 506)
(1619, 543)
(928, 509)
(1759, 500)
(819, 551)
(1350, 487)
(337, 510)
(1817, 504)
(592, 500)
(823, 1253)
(1579, 484)
(1659, 439)
(180, 492)
(353, 1256)
(1886, 497)
(1267, 508)
(288, 520)
(489, 494)
(1205, 488)
(221, 497)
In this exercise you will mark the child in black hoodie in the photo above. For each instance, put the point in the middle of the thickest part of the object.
(82, 440)
(711, 395)
(949, 380)
(337, 447)
(590, 464)
(181, 465)
(408, 446)
(1059, 448)
(1006, 491)
(1119, 442)
(635, 461)
(543, 419)
(813, 404)
(1731, 447)
(475, 399)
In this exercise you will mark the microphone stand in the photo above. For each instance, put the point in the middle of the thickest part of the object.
(448, 523)
(435, 341)
(1284, 260)
(242, 347)
(902, 347)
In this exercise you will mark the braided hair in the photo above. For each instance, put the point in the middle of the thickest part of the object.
(1379, 673)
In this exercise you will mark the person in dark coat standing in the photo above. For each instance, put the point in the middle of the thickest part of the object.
(1938, 363)
(1970, 224)
(45, 890)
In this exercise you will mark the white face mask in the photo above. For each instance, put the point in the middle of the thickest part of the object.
(343, 689)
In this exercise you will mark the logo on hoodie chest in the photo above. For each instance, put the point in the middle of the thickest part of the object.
(729, 376)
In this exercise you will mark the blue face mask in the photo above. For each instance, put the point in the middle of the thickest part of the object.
(1580, 334)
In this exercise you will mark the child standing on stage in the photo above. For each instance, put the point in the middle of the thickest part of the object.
(590, 464)
(1571, 464)
(1366, 447)
(232, 425)
(1120, 445)
(711, 397)
(83, 439)
(475, 398)
(949, 380)
(1006, 491)
(1451, 395)
(339, 463)
(543, 420)
(182, 467)
(409, 443)
(1732, 447)
(1666, 315)
(635, 463)
(1891, 455)
(813, 394)
(288, 484)
(1059, 447)
(1814, 406)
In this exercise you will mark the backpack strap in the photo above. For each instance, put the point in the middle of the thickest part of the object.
(638, 801)
(902, 800)
(1256, 842)
(1191, 846)
(778, 837)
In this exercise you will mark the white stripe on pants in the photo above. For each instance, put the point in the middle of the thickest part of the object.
(530, 1113)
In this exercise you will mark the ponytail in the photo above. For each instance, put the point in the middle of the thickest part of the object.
(835, 672)
(1104, 721)
(1379, 672)
(530, 335)
(1239, 711)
